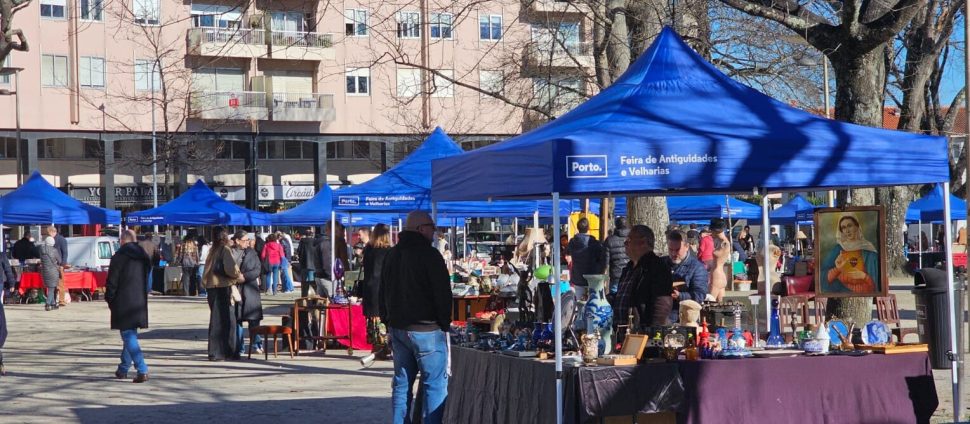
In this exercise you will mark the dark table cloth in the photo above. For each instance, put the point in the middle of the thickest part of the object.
(884, 389)
(594, 392)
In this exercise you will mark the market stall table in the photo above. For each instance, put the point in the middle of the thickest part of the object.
(342, 325)
(84, 280)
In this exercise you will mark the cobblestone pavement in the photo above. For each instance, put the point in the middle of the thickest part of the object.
(61, 363)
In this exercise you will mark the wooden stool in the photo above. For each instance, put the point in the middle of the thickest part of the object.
(266, 331)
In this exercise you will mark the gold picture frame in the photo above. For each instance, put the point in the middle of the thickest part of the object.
(850, 253)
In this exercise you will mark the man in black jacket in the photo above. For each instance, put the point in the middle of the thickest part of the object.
(415, 301)
(128, 301)
(6, 273)
(616, 257)
(646, 283)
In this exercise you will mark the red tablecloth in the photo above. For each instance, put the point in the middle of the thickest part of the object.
(85, 280)
(337, 325)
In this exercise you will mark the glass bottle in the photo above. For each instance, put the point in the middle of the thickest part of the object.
(690, 352)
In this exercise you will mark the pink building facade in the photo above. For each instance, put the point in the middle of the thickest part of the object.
(267, 100)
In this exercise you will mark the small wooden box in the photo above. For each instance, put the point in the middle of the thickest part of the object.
(624, 360)
(901, 348)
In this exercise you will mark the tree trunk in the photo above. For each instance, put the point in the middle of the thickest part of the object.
(895, 199)
(600, 37)
(859, 90)
(652, 212)
(617, 47)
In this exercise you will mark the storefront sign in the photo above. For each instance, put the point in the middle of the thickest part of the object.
(286, 192)
(142, 195)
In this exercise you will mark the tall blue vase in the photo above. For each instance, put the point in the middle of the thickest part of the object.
(775, 338)
(598, 312)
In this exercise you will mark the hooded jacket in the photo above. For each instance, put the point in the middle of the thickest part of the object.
(415, 293)
(589, 257)
(616, 256)
(125, 289)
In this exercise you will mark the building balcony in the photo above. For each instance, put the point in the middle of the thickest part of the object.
(229, 105)
(568, 55)
(301, 45)
(307, 107)
(226, 42)
(556, 6)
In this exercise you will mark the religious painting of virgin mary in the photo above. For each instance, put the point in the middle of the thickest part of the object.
(850, 254)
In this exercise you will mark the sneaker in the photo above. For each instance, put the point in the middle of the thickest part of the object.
(140, 378)
(203, 295)
(258, 350)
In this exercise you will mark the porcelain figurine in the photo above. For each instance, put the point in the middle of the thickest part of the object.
(590, 349)
(598, 313)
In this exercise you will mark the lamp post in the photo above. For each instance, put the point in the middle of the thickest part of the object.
(151, 77)
(16, 93)
(826, 98)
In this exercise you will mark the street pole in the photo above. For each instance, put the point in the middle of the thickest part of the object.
(828, 113)
(16, 105)
(957, 409)
(151, 77)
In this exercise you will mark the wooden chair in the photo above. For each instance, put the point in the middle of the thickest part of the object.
(820, 305)
(792, 309)
(270, 330)
(888, 312)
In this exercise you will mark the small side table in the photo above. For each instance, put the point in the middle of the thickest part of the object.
(323, 305)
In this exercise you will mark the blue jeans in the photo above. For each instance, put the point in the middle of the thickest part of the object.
(285, 276)
(419, 351)
(201, 270)
(131, 353)
(272, 278)
(241, 338)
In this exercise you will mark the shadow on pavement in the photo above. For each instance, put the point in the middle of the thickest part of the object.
(329, 410)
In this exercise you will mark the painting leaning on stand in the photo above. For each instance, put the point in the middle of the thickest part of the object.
(850, 264)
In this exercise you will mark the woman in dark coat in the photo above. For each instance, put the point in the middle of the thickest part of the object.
(221, 273)
(9, 279)
(251, 308)
(50, 271)
(374, 253)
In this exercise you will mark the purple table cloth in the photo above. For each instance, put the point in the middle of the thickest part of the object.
(884, 389)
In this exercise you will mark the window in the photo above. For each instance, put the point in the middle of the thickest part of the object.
(215, 16)
(53, 71)
(146, 12)
(91, 10)
(408, 24)
(143, 68)
(104, 250)
(293, 149)
(288, 21)
(560, 38)
(441, 25)
(91, 72)
(408, 82)
(349, 150)
(5, 78)
(490, 27)
(361, 149)
(355, 21)
(443, 87)
(358, 81)
(52, 9)
(218, 80)
(92, 149)
(491, 81)
(558, 95)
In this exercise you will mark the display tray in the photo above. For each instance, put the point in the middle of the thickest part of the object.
(520, 353)
(775, 353)
(897, 348)
(617, 360)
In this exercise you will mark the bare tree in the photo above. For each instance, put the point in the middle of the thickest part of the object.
(7, 32)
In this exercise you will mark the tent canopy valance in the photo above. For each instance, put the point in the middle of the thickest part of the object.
(38, 202)
(929, 208)
(199, 206)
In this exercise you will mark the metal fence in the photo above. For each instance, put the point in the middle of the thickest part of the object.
(303, 100)
(229, 35)
(301, 39)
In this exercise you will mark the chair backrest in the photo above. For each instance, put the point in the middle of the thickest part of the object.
(792, 307)
(820, 305)
(886, 309)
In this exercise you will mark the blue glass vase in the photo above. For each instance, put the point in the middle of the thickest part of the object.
(775, 339)
(537, 334)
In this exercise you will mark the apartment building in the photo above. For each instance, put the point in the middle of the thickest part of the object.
(266, 100)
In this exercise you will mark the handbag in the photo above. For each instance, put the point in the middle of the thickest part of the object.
(235, 295)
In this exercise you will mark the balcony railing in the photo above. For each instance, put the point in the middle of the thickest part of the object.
(583, 48)
(303, 107)
(301, 39)
(229, 105)
(229, 35)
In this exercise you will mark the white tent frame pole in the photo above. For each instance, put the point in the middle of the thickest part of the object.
(956, 351)
(766, 242)
(557, 296)
(919, 238)
(535, 224)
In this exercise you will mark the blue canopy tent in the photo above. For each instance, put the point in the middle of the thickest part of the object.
(930, 207)
(787, 213)
(313, 211)
(199, 206)
(38, 202)
(687, 208)
(674, 124)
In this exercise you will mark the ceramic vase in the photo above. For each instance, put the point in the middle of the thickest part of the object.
(537, 334)
(547, 336)
(598, 313)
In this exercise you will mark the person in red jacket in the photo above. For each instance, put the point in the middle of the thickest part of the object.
(272, 255)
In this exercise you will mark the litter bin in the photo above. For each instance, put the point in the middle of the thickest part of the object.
(933, 315)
